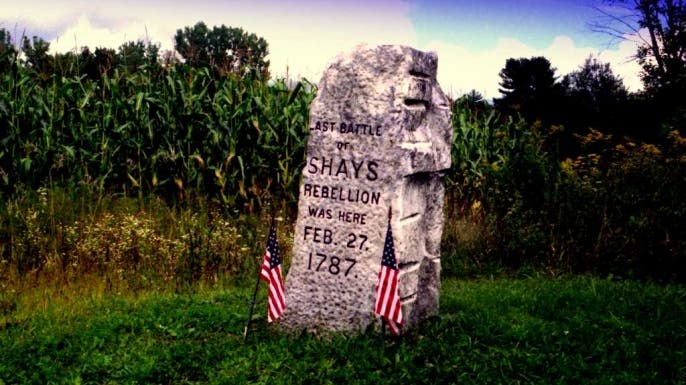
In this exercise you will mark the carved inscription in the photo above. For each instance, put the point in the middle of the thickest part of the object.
(352, 128)
(342, 172)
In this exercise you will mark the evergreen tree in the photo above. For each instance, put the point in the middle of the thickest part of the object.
(529, 88)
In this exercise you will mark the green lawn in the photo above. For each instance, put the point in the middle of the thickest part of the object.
(572, 330)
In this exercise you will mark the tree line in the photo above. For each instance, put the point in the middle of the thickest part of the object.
(567, 172)
(225, 50)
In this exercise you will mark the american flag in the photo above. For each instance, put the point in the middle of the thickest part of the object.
(387, 303)
(271, 273)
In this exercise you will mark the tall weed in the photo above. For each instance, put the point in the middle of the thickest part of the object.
(614, 209)
(128, 244)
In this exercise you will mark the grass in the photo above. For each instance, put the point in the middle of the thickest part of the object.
(568, 330)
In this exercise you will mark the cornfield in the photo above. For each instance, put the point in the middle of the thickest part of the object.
(166, 132)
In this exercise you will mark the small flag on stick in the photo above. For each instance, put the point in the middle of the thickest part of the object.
(387, 304)
(271, 273)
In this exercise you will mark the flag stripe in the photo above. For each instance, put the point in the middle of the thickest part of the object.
(394, 327)
(276, 294)
(387, 295)
(271, 273)
(381, 292)
(387, 303)
(264, 274)
(393, 294)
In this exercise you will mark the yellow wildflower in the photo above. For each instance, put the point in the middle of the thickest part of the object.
(651, 149)
(677, 138)
(476, 207)
(567, 166)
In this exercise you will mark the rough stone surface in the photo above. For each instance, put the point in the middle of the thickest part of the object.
(380, 136)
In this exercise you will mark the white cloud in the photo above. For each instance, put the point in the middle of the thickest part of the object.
(461, 70)
(84, 33)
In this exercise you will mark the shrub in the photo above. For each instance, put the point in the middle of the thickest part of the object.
(614, 209)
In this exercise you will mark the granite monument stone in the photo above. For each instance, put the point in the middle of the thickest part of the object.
(380, 136)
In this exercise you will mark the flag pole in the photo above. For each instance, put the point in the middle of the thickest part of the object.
(257, 287)
(252, 307)
(383, 331)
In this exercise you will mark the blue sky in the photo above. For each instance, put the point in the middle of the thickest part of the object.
(477, 25)
(472, 38)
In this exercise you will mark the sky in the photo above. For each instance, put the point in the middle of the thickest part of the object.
(473, 39)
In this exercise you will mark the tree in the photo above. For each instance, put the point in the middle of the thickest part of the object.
(662, 53)
(105, 60)
(36, 51)
(224, 49)
(8, 54)
(528, 87)
(133, 55)
(474, 102)
(594, 97)
(666, 24)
